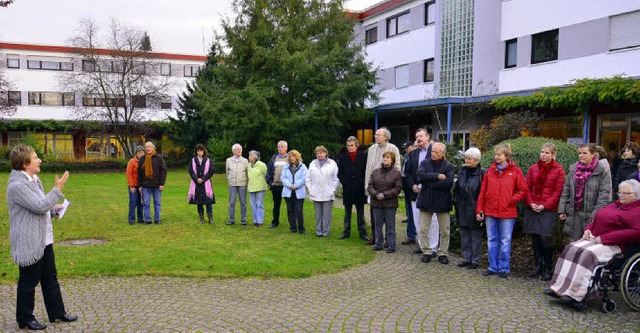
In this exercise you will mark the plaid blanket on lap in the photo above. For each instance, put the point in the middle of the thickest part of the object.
(575, 266)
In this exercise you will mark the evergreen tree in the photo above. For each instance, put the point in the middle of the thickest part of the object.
(292, 72)
(189, 127)
(145, 43)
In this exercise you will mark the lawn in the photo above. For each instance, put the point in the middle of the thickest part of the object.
(180, 246)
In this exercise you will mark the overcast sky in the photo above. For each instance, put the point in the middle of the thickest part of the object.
(184, 26)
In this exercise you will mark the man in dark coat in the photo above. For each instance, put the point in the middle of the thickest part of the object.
(436, 176)
(274, 171)
(408, 193)
(152, 174)
(414, 158)
(351, 169)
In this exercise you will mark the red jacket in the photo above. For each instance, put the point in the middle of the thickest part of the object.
(617, 224)
(132, 172)
(500, 193)
(551, 188)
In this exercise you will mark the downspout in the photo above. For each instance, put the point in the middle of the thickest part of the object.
(375, 119)
(449, 122)
(585, 129)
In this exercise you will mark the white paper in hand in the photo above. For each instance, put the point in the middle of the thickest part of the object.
(65, 205)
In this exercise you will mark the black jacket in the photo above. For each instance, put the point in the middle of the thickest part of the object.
(201, 195)
(351, 176)
(159, 172)
(465, 195)
(435, 195)
(411, 172)
(627, 167)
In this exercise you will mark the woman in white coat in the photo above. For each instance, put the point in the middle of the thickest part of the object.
(322, 181)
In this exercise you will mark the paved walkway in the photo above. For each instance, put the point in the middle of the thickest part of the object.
(394, 293)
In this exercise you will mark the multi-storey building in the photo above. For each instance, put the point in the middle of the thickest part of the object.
(437, 59)
(36, 93)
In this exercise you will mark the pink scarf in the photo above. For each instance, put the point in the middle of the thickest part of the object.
(583, 171)
(208, 190)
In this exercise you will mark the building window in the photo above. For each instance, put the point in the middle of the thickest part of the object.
(102, 102)
(428, 70)
(13, 62)
(511, 53)
(88, 66)
(15, 98)
(166, 104)
(51, 98)
(544, 46)
(50, 65)
(371, 36)
(139, 102)
(191, 70)
(398, 24)
(402, 76)
(623, 31)
(165, 69)
(429, 12)
(455, 72)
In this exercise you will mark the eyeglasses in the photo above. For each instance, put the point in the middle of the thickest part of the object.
(625, 193)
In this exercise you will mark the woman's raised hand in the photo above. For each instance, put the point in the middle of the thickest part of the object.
(62, 180)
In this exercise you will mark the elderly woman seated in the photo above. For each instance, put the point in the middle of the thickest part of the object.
(615, 226)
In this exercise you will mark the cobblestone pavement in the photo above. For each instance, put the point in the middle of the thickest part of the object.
(394, 293)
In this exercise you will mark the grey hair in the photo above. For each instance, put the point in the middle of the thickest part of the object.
(424, 130)
(285, 143)
(152, 144)
(386, 132)
(444, 147)
(474, 153)
(255, 154)
(236, 145)
(634, 185)
(353, 139)
(139, 148)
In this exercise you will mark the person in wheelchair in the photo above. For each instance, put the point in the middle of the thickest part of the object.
(615, 226)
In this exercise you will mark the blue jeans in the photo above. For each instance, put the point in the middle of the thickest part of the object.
(135, 206)
(499, 243)
(147, 192)
(256, 199)
(241, 192)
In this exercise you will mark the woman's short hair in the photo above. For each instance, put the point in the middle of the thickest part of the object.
(602, 153)
(139, 149)
(321, 149)
(551, 146)
(390, 155)
(201, 147)
(353, 139)
(634, 147)
(633, 185)
(474, 153)
(255, 154)
(503, 148)
(20, 156)
(296, 154)
(590, 146)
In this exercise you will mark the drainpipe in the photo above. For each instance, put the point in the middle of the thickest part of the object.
(375, 119)
(449, 122)
(585, 129)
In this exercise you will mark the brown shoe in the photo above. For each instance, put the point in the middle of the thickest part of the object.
(408, 241)
(370, 242)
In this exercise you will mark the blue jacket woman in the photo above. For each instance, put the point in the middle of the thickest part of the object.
(294, 177)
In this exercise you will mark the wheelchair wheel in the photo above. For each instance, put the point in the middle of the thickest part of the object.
(609, 306)
(630, 282)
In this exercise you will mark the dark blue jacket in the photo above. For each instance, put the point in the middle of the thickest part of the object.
(435, 195)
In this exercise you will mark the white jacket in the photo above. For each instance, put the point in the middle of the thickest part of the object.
(322, 182)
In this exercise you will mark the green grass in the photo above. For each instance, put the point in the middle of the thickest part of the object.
(180, 246)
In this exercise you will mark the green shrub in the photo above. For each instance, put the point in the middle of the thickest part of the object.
(526, 152)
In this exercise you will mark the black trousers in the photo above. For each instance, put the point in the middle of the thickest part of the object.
(294, 212)
(359, 218)
(43, 272)
(276, 191)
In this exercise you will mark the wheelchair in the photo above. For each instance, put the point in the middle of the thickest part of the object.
(621, 273)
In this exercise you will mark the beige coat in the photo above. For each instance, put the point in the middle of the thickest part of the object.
(236, 170)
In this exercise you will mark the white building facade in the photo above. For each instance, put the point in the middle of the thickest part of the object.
(436, 59)
(36, 92)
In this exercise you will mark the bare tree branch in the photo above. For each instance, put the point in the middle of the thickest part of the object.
(119, 83)
(5, 3)
(6, 108)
